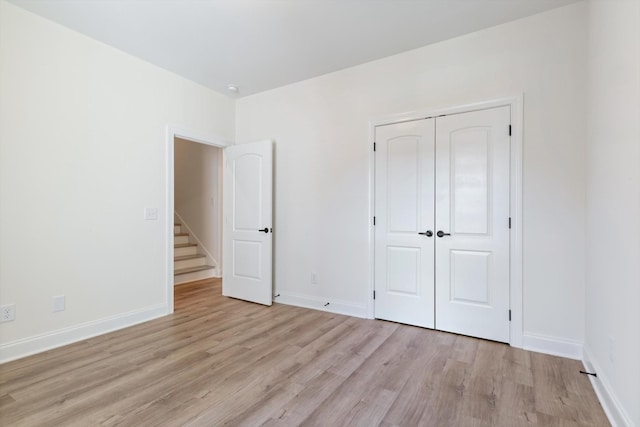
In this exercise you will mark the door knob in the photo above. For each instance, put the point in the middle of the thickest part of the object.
(441, 233)
(264, 230)
(427, 233)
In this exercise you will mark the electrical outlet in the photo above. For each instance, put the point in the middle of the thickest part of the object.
(314, 278)
(8, 313)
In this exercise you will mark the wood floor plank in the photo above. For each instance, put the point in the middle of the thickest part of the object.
(220, 361)
(416, 394)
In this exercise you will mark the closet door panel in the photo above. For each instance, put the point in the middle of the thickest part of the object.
(404, 208)
(472, 223)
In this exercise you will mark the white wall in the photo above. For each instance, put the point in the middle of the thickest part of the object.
(197, 192)
(613, 204)
(82, 153)
(322, 158)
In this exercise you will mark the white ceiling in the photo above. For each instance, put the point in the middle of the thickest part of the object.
(262, 44)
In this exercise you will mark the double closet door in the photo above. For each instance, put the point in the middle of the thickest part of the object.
(442, 223)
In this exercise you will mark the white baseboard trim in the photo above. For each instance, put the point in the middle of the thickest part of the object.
(316, 303)
(39, 343)
(551, 345)
(618, 417)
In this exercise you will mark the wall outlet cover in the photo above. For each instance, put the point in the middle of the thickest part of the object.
(7, 313)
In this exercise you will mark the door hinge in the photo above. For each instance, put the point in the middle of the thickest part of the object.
(374, 220)
(374, 146)
(374, 294)
(509, 222)
(509, 130)
(509, 315)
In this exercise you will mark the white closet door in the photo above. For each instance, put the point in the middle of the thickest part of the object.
(247, 237)
(472, 210)
(404, 198)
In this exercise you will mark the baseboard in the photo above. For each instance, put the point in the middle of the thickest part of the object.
(39, 343)
(618, 417)
(316, 303)
(553, 346)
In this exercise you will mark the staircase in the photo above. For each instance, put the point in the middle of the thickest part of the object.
(188, 263)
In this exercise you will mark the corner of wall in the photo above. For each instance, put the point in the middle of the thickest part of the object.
(614, 410)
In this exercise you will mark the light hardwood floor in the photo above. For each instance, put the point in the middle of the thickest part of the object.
(219, 361)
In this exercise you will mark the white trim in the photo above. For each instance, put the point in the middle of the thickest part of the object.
(317, 303)
(50, 340)
(422, 114)
(371, 274)
(616, 414)
(515, 208)
(174, 131)
(515, 252)
(552, 345)
(184, 133)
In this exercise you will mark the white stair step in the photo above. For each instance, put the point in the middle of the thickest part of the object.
(192, 269)
(177, 228)
(188, 261)
(180, 238)
(185, 249)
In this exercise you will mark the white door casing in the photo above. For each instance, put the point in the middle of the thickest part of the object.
(472, 205)
(404, 194)
(247, 229)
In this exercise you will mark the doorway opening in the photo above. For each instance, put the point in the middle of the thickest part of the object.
(243, 206)
(197, 211)
(193, 208)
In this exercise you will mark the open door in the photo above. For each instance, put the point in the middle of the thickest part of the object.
(247, 229)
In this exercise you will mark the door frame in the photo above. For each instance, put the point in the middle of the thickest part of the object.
(515, 198)
(183, 133)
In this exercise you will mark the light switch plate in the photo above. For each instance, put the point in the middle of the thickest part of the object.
(58, 303)
(151, 214)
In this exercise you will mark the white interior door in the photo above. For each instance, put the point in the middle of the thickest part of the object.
(404, 208)
(472, 211)
(247, 229)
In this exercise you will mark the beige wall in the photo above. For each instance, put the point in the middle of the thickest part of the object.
(321, 129)
(197, 180)
(82, 152)
(612, 341)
